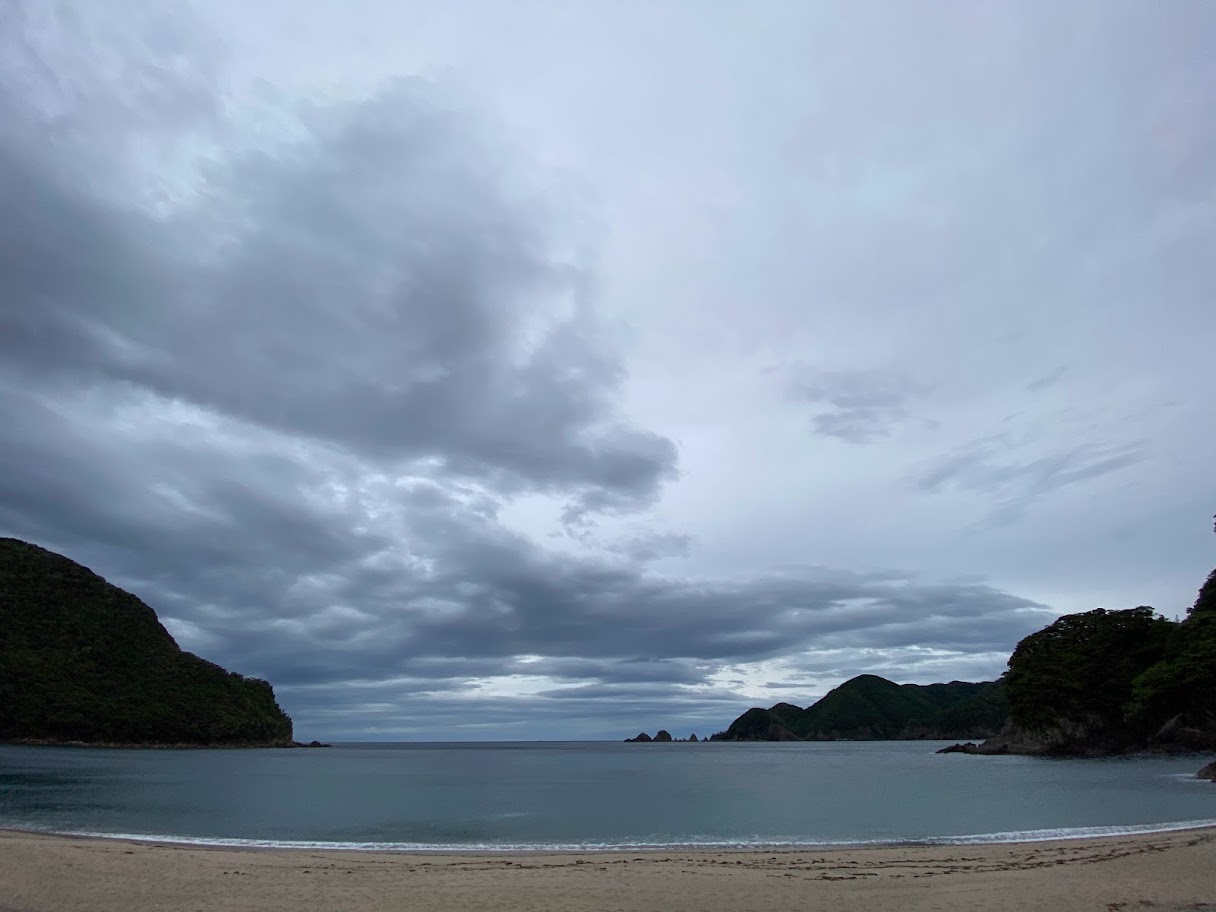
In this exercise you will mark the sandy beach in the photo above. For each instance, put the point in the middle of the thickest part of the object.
(1168, 871)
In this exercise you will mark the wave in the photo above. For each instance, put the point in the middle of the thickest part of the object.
(692, 843)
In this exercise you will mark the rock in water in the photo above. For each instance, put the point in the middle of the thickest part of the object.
(1208, 772)
(969, 748)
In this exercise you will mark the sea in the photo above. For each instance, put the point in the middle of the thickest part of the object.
(548, 796)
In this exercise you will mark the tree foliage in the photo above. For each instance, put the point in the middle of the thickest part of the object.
(1183, 683)
(1113, 680)
(1080, 670)
(82, 660)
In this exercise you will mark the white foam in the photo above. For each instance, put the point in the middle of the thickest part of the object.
(691, 843)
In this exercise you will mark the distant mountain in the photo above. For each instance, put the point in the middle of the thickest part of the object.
(1095, 683)
(83, 661)
(870, 708)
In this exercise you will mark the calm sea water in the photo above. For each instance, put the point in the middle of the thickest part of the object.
(591, 795)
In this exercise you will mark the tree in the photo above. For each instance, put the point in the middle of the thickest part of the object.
(1079, 671)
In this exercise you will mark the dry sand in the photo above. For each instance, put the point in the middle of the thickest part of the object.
(1168, 871)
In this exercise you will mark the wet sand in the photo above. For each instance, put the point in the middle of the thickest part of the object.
(1166, 871)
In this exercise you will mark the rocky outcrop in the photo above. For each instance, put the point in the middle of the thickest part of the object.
(1187, 732)
(1012, 740)
(661, 737)
(1069, 737)
(1072, 739)
(1208, 772)
(969, 748)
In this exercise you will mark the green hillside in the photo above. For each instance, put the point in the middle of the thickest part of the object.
(82, 660)
(1111, 681)
(868, 707)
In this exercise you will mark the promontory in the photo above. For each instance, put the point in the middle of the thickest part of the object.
(82, 661)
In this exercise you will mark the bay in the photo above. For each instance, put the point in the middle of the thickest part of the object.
(534, 795)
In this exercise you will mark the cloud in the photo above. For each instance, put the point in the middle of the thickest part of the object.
(287, 408)
(305, 565)
(297, 370)
(378, 283)
(1015, 473)
(856, 406)
(1047, 380)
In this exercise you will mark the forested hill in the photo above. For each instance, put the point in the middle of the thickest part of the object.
(1112, 681)
(82, 660)
(868, 707)
(1095, 683)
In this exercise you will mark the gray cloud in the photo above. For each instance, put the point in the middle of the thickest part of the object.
(856, 406)
(1001, 467)
(366, 400)
(372, 285)
(1047, 380)
(272, 576)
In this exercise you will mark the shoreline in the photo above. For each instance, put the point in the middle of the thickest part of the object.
(159, 745)
(1012, 838)
(1168, 872)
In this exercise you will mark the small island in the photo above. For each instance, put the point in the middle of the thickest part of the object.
(661, 737)
(84, 662)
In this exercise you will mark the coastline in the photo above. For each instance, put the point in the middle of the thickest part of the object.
(1163, 870)
(159, 745)
(240, 844)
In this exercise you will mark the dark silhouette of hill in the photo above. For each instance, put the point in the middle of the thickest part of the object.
(83, 661)
(868, 707)
(1099, 682)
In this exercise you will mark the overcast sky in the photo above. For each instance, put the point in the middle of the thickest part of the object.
(567, 369)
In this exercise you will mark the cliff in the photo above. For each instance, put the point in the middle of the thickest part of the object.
(83, 661)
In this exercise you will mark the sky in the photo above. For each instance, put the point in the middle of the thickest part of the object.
(562, 370)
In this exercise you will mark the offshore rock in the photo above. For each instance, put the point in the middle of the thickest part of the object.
(969, 748)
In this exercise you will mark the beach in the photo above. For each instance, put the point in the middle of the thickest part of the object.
(1162, 871)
